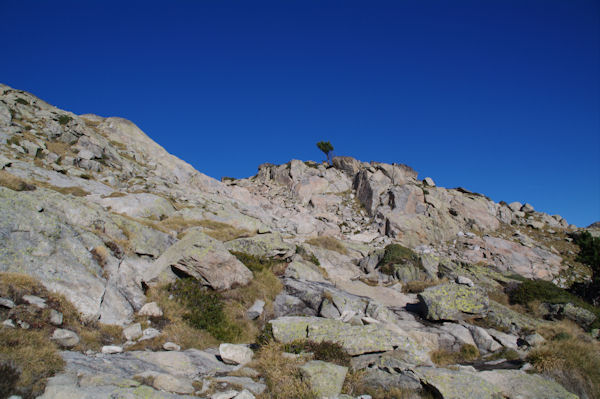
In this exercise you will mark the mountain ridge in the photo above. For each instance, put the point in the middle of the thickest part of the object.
(366, 255)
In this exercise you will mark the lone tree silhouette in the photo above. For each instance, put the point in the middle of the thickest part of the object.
(327, 148)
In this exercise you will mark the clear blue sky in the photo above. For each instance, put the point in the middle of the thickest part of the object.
(500, 97)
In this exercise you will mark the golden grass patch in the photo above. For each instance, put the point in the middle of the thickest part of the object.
(282, 374)
(34, 355)
(328, 242)
(13, 182)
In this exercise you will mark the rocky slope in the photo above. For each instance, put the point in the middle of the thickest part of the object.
(96, 211)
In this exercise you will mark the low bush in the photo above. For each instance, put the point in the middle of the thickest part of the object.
(326, 351)
(536, 291)
(34, 355)
(396, 254)
(64, 119)
(308, 256)
(254, 262)
(328, 242)
(204, 309)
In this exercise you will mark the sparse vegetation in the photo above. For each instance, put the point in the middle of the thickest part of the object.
(64, 119)
(571, 357)
(204, 309)
(396, 254)
(418, 286)
(326, 351)
(282, 374)
(14, 182)
(308, 256)
(33, 356)
(589, 254)
(328, 242)
(467, 353)
(22, 101)
(327, 149)
(31, 352)
(532, 292)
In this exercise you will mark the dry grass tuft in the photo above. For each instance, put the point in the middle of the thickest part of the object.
(282, 375)
(570, 356)
(223, 231)
(14, 183)
(328, 242)
(115, 194)
(35, 357)
(443, 357)
(418, 286)
(59, 148)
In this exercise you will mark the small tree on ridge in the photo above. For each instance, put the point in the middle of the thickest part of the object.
(327, 148)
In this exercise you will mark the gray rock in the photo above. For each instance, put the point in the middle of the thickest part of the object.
(149, 333)
(518, 384)
(267, 245)
(515, 206)
(527, 208)
(534, 339)
(579, 315)
(8, 323)
(171, 346)
(465, 281)
(235, 354)
(485, 342)
(453, 302)
(65, 338)
(507, 340)
(255, 310)
(346, 164)
(167, 382)
(35, 300)
(150, 309)
(7, 303)
(203, 258)
(354, 339)
(457, 384)
(245, 394)
(429, 182)
(133, 332)
(56, 318)
(325, 379)
(225, 395)
(111, 349)
(245, 382)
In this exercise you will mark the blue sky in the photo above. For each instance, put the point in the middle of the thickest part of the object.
(500, 97)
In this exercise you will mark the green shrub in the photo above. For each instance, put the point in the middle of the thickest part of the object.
(545, 291)
(589, 250)
(204, 309)
(254, 262)
(396, 254)
(309, 256)
(64, 119)
(326, 351)
(589, 254)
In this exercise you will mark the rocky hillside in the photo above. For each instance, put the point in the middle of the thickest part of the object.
(132, 274)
